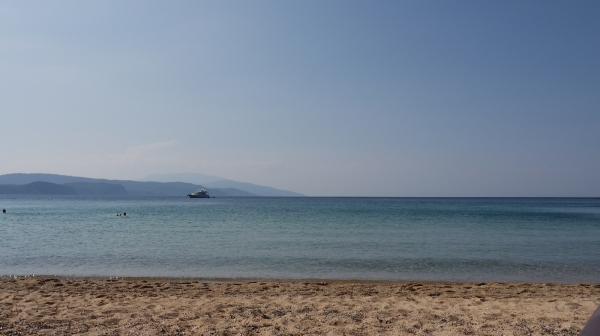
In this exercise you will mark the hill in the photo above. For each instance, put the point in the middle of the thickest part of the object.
(74, 188)
(14, 183)
(252, 188)
(98, 188)
(215, 182)
(36, 188)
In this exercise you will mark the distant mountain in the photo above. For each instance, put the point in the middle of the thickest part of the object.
(74, 188)
(252, 188)
(194, 178)
(212, 182)
(37, 188)
(52, 178)
(229, 192)
(90, 186)
(99, 188)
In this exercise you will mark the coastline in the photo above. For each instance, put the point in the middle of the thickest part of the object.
(37, 305)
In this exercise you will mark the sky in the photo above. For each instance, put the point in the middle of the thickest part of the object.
(325, 98)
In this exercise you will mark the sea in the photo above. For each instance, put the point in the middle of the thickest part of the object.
(553, 240)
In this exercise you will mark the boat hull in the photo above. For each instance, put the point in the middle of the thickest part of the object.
(198, 196)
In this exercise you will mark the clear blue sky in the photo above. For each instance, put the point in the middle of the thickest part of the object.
(326, 98)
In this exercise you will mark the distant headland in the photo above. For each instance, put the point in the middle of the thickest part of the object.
(53, 184)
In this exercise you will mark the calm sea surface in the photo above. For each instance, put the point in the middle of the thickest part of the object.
(448, 239)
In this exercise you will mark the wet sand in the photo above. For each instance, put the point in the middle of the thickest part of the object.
(46, 306)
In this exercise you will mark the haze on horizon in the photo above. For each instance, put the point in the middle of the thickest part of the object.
(324, 98)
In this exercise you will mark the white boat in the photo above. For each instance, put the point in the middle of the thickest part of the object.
(200, 193)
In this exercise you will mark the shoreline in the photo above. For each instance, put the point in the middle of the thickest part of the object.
(290, 280)
(37, 305)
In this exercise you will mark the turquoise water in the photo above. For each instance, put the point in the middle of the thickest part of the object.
(448, 239)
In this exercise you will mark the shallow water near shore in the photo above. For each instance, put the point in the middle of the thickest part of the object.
(435, 239)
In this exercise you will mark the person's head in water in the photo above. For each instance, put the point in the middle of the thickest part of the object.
(3, 210)
(124, 213)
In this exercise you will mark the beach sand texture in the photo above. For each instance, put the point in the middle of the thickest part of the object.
(46, 306)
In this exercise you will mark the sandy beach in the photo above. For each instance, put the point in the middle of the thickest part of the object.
(48, 306)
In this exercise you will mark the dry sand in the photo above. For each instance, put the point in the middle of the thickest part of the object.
(45, 306)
